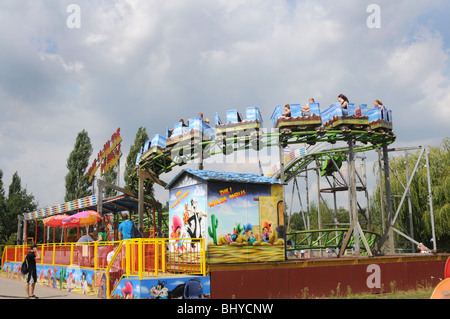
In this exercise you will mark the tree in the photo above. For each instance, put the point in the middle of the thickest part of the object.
(3, 211)
(77, 179)
(110, 177)
(139, 141)
(18, 202)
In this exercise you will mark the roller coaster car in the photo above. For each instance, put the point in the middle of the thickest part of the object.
(380, 120)
(245, 130)
(298, 121)
(236, 124)
(182, 134)
(335, 117)
(157, 145)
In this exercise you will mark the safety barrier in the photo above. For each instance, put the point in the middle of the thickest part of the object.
(137, 258)
(325, 238)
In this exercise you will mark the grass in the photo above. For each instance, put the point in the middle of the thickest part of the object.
(421, 293)
(418, 293)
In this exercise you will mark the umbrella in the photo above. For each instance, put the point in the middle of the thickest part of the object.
(57, 221)
(85, 218)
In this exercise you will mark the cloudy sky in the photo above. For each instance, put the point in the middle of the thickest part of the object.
(133, 63)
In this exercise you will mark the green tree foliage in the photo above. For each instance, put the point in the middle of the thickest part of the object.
(439, 159)
(111, 177)
(139, 141)
(77, 179)
(17, 202)
(328, 217)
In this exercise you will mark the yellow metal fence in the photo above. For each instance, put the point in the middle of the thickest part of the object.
(129, 258)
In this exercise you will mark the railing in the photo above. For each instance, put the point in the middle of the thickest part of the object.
(325, 238)
(131, 258)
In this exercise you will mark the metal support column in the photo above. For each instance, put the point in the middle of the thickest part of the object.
(430, 197)
(355, 227)
(20, 220)
(390, 213)
(352, 195)
(141, 201)
(281, 154)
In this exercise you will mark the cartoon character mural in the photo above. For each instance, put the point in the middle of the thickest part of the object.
(237, 214)
(168, 288)
(187, 215)
(193, 220)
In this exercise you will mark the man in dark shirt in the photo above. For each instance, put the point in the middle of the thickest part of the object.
(32, 275)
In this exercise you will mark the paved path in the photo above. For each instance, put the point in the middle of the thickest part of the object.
(15, 289)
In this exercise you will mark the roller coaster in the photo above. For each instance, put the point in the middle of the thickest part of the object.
(199, 140)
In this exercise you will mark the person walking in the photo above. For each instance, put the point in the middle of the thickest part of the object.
(32, 273)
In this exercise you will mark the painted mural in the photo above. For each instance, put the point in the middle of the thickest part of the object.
(243, 223)
(164, 288)
(72, 279)
(238, 220)
(90, 282)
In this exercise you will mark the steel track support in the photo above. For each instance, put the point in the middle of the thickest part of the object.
(355, 227)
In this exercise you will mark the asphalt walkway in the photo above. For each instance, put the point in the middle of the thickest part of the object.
(15, 289)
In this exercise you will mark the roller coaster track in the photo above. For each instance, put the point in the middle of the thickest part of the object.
(159, 161)
(326, 238)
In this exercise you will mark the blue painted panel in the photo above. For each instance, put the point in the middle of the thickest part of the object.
(277, 113)
(374, 114)
(177, 287)
(314, 108)
(178, 128)
(234, 116)
(252, 113)
(295, 109)
(217, 119)
(351, 109)
(138, 158)
(195, 123)
(208, 131)
(146, 146)
(364, 110)
(332, 111)
(158, 141)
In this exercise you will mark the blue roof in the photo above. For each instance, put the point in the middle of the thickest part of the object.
(226, 177)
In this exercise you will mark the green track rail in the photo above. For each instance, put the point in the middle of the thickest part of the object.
(326, 238)
(157, 162)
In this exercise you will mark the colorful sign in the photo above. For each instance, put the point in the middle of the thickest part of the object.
(62, 208)
(108, 156)
(239, 220)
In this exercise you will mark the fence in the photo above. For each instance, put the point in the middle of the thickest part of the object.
(129, 258)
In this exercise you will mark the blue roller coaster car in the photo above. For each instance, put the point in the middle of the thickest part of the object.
(380, 119)
(298, 120)
(335, 117)
(182, 133)
(156, 145)
(236, 123)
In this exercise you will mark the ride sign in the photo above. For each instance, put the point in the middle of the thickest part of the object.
(108, 156)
